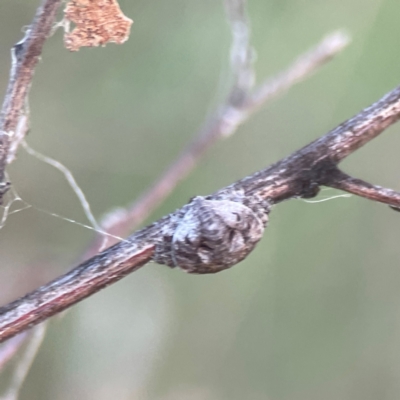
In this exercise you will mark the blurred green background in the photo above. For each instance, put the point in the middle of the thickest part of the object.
(313, 313)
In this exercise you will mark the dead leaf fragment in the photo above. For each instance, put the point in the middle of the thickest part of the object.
(97, 22)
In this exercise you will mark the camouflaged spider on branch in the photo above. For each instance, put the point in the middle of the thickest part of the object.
(214, 235)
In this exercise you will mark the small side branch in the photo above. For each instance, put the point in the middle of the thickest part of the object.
(342, 181)
(305, 65)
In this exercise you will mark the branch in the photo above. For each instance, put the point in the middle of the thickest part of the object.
(213, 233)
(25, 55)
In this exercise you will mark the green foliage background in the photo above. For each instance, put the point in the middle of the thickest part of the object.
(313, 313)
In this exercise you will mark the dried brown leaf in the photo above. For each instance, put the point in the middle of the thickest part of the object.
(97, 22)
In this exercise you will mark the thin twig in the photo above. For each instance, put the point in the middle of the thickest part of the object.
(361, 188)
(307, 64)
(25, 55)
(184, 235)
(222, 124)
